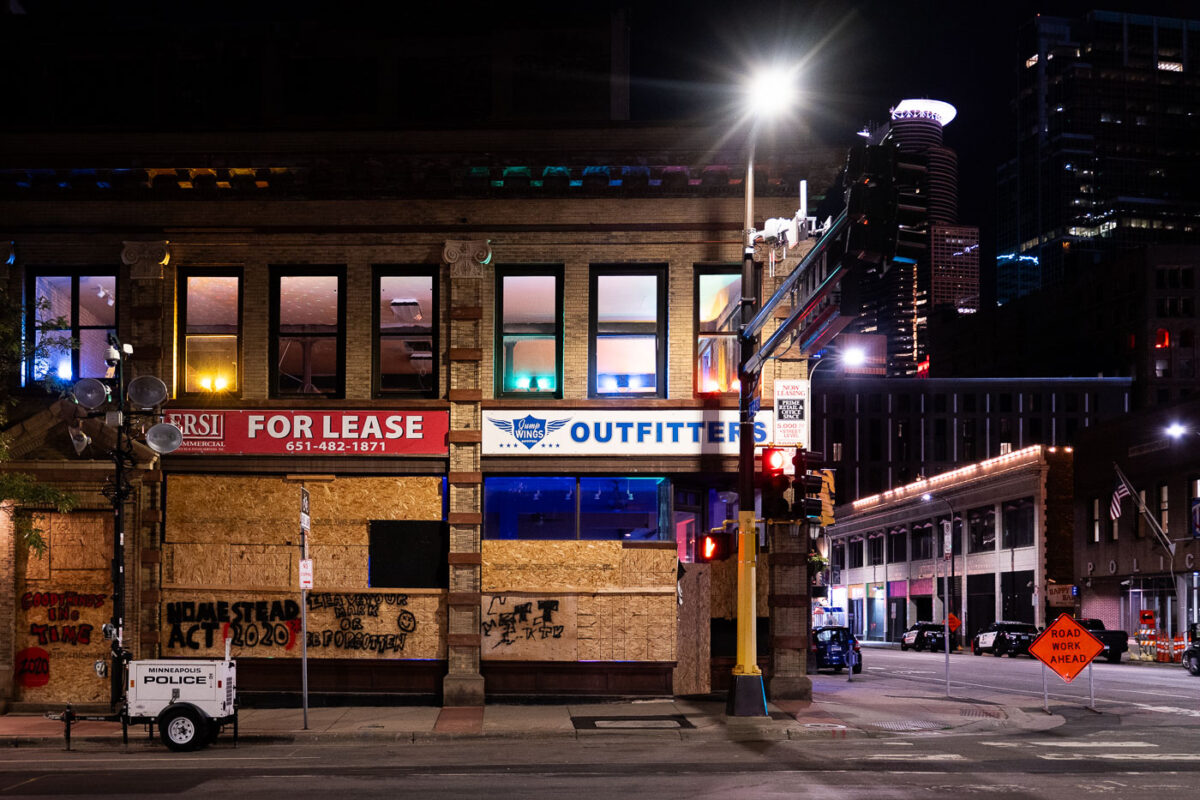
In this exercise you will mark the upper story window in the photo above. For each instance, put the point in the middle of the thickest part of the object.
(406, 303)
(1018, 523)
(308, 331)
(718, 293)
(981, 529)
(210, 327)
(67, 304)
(628, 323)
(529, 331)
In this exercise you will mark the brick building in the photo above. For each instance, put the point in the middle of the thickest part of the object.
(502, 379)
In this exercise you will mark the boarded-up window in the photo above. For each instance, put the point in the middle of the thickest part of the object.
(408, 555)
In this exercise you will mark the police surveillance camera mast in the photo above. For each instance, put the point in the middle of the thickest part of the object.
(190, 700)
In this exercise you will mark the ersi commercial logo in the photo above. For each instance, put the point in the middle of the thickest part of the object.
(199, 425)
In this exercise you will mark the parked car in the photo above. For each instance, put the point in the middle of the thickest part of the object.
(1115, 642)
(832, 645)
(1191, 656)
(926, 636)
(1004, 637)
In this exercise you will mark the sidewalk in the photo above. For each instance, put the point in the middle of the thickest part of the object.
(841, 709)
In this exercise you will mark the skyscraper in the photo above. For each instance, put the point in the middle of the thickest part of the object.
(1107, 154)
(902, 298)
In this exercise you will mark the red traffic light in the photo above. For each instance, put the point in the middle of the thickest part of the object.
(773, 461)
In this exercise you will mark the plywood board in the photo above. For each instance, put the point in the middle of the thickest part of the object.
(553, 566)
(369, 624)
(529, 627)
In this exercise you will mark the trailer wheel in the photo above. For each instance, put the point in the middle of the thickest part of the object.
(1193, 665)
(182, 728)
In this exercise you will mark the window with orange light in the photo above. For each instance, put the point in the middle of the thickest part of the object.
(718, 292)
(1162, 339)
(210, 320)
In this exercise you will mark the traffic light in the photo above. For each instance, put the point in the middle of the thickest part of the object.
(774, 484)
(812, 488)
(909, 177)
(808, 493)
(828, 493)
(871, 202)
(716, 545)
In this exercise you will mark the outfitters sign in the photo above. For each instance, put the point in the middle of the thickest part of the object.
(637, 433)
(324, 433)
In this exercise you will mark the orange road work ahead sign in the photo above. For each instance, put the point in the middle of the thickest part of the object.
(954, 622)
(1066, 647)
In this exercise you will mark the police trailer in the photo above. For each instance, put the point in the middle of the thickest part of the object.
(190, 701)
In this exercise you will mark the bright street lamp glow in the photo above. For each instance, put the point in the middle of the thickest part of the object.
(854, 356)
(771, 92)
(1175, 430)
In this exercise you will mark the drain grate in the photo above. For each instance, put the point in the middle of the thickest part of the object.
(985, 713)
(908, 725)
(639, 722)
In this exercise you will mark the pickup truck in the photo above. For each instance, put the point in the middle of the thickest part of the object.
(1115, 642)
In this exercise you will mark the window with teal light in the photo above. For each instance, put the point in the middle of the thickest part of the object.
(529, 331)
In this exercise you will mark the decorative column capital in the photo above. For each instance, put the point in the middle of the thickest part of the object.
(146, 259)
(467, 257)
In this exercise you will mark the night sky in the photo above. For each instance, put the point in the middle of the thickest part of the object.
(857, 58)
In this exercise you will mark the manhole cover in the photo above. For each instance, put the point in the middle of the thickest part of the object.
(646, 721)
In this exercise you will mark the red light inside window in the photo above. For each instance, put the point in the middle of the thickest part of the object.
(1162, 339)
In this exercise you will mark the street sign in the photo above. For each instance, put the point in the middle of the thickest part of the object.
(791, 401)
(306, 573)
(305, 520)
(1066, 647)
(954, 622)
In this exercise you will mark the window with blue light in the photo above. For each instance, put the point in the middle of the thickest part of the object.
(608, 508)
(66, 305)
(628, 331)
(529, 331)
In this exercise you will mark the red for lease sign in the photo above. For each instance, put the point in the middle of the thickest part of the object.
(310, 432)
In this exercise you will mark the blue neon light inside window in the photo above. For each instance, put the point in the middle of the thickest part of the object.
(595, 508)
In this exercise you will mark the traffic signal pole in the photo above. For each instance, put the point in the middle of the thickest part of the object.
(747, 694)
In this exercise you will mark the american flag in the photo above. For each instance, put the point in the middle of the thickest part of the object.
(1114, 508)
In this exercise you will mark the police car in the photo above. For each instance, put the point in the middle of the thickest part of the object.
(925, 636)
(1004, 637)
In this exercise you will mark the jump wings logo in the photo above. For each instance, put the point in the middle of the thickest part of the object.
(529, 430)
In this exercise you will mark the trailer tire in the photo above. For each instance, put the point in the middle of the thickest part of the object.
(183, 728)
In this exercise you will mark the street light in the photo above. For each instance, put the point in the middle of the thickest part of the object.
(770, 93)
(142, 398)
(948, 575)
